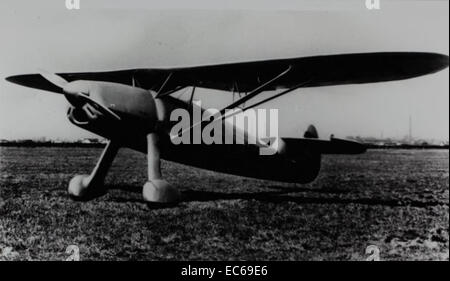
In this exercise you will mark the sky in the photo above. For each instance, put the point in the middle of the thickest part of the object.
(144, 34)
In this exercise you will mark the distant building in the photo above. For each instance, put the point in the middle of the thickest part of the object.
(90, 140)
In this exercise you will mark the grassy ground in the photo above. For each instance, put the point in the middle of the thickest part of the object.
(397, 200)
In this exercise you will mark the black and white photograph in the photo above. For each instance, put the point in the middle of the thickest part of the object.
(245, 132)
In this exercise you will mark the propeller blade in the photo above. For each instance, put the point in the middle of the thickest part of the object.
(62, 83)
(53, 78)
(35, 81)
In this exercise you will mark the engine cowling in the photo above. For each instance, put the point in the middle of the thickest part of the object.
(129, 103)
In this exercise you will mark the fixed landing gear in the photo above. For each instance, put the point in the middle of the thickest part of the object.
(85, 187)
(155, 190)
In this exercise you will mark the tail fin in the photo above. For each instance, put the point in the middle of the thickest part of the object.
(311, 133)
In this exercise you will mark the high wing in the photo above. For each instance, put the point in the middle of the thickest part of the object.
(246, 76)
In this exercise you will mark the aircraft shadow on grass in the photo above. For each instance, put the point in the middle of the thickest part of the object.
(279, 195)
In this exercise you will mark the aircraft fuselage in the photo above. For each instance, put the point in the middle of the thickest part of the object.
(236, 159)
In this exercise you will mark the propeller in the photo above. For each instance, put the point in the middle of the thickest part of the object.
(54, 78)
(100, 97)
(78, 96)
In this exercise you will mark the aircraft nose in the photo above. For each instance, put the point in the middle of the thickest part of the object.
(72, 91)
(77, 87)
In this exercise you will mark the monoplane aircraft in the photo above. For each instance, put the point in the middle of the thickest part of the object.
(132, 108)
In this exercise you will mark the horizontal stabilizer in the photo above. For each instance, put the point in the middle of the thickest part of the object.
(332, 146)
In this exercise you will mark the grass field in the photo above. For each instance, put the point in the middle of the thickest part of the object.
(397, 200)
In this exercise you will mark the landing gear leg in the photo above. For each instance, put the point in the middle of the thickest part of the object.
(85, 187)
(156, 189)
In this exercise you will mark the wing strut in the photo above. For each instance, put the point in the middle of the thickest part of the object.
(163, 85)
(171, 91)
(250, 95)
(256, 91)
(135, 82)
(192, 96)
(277, 95)
(234, 112)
